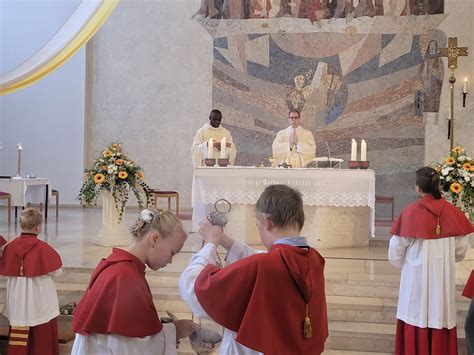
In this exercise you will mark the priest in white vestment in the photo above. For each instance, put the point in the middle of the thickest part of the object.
(214, 130)
(294, 145)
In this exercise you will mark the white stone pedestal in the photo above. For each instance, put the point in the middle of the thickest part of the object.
(113, 232)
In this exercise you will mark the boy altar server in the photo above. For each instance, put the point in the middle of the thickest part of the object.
(271, 303)
(31, 304)
(428, 239)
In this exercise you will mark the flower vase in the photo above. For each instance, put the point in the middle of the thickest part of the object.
(113, 232)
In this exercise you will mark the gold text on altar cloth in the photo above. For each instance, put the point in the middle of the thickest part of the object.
(289, 182)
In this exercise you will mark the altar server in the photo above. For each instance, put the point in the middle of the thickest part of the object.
(213, 129)
(117, 315)
(294, 145)
(31, 304)
(429, 237)
(271, 303)
(469, 324)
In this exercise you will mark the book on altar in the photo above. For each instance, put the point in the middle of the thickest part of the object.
(325, 162)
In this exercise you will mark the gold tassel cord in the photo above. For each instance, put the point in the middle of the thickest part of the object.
(21, 269)
(438, 228)
(307, 329)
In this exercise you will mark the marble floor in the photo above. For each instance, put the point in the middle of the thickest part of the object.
(361, 286)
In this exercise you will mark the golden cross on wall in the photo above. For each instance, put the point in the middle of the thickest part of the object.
(453, 52)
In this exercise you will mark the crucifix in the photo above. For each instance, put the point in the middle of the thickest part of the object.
(452, 52)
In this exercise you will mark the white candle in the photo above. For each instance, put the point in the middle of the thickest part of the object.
(20, 148)
(223, 148)
(363, 150)
(464, 89)
(354, 150)
(210, 149)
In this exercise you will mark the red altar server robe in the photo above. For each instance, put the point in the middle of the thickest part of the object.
(32, 303)
(469, 289)
(263, 299)
(117, 309)
(3, 241)
(428, 239)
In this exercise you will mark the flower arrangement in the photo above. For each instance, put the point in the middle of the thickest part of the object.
(114, 172)
(457, 179)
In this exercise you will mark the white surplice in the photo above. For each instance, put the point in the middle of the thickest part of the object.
(162, 343)
(299, 155)
(31, 301)
(205, 256)
(199, 150)
(427, 283)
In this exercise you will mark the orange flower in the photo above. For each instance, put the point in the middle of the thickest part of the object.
(132, 161)
(107, 153)
(450, 160)
(122, 175)
(468, 167)
(119, 161)
(458, 149)
(456, 187)
(99, 178)
(140, 175)
(114, 145)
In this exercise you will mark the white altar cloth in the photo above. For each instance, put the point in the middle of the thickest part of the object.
(327, 195)
(24, 190)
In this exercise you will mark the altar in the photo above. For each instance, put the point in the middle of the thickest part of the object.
(339, 204)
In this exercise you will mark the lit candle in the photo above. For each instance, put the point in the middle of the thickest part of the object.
(354, 150)
(20, 148)
(223, 148)
(363, 150)
(464, 89)
(210, 149)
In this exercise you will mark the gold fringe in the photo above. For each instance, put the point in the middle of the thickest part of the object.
(438, 228)
(307, 329)
(19, 343)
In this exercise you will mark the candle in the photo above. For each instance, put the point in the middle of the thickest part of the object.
(464, 89)
(223, 148)
(210, 149)
(18, 169)
(354, 150)
(363, 150)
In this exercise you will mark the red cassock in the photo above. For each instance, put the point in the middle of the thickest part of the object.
(263, 299)
(428, 218)
(469, 289)
(118, 300)
(27, 256)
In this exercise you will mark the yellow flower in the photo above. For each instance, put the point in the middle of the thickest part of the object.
(456, 187)
(132, 161)
(468, 167)
(122, 175)
(458, 149)
(140, 175)
(450, 160)
(438, 169)
(114, 145)
(107, 153)
(119, 161)
(99, 178)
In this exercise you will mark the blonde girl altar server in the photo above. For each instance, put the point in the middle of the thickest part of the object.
(429, 237)
(117, 315)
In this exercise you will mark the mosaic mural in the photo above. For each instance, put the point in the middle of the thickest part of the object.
(370, 78)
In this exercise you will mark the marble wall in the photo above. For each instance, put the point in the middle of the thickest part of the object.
(155, 72)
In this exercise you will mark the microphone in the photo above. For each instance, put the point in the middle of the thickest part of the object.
(329, 153)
